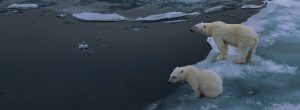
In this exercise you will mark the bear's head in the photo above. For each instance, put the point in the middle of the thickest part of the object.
(177, 75)
(202, 28)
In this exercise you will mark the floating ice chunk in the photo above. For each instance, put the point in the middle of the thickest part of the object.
(175, 21)
(193, 14)
(83, 45)
(89, 16)
(136, 28)
(62, 15)
(214, 9)
(251, 6)
(169, 15)
(22, 6)
(18, 11)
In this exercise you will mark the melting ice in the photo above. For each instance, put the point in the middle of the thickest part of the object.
(269, 82)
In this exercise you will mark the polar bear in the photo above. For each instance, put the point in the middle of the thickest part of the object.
(204, 82)
(237, 35)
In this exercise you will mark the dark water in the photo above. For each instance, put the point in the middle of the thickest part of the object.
(41, 69)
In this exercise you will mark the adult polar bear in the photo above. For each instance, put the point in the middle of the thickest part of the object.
(236, 35)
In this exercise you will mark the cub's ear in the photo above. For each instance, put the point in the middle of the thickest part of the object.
(202, 22)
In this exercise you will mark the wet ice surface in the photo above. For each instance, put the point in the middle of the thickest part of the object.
(269, 82)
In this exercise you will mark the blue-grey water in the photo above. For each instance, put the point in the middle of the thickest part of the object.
(270, 82)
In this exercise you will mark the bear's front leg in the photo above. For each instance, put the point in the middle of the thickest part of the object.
(196, 87)
(222, 47)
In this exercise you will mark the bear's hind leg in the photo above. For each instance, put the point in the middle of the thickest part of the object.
(249, 55)
(223, 53)
(243, 53)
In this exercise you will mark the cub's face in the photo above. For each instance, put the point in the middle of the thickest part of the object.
(177, 75)
(200, 28)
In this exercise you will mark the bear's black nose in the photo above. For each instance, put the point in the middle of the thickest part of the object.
(191, 30)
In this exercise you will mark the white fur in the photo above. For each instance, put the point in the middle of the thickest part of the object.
(237, 35)
(203, 82)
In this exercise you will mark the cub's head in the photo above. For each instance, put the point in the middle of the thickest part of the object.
(202, 28)
(177, 75)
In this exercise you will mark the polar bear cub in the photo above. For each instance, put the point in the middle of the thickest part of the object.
(203, 82)
(237, 35)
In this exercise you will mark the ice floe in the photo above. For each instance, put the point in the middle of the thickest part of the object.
(83, 45)
(214, 9)
(22, 6)
(90, 16)
(169, 15)
(175, 21)
(251, 6)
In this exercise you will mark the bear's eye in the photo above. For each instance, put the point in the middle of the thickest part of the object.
(204, 26)
(181, 71)
(173, 77)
